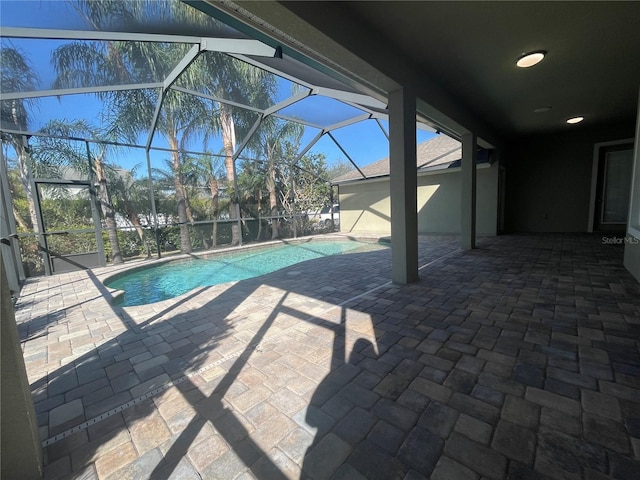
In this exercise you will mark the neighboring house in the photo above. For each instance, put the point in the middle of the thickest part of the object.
(365, 205)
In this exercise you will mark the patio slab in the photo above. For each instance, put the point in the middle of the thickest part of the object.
(520, 359)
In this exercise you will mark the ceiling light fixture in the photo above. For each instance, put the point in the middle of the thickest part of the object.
(530, 59)
(542, 109)
(574, 120)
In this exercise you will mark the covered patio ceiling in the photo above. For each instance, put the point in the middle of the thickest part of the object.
(465, 53)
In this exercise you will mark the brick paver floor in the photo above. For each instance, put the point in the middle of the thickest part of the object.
(518, 360)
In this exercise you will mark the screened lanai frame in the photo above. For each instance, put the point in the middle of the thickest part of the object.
(323, 89)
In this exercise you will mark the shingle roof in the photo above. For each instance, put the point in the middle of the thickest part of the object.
(437, 151)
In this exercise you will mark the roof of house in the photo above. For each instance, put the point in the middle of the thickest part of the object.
(439, 151)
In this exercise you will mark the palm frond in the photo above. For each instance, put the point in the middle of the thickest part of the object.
(17, 75)
(81, 64)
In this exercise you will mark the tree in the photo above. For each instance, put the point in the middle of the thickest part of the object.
(130, 111)
(19, 76)
(31, 258)
(19, 199)
(204, 172)
(251, 180)
(271, 143)
(75, 156)
(304, 183)
(125, 199)
(93, 63)
(129, 196)
(197, 173)
(224, 77)
(339, 167)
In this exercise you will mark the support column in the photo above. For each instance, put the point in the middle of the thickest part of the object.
(468, 189)
(403, 185)
(21, 447)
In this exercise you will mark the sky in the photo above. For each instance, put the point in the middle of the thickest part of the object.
(364, 142)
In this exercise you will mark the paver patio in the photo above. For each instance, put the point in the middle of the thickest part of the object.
(518, 360)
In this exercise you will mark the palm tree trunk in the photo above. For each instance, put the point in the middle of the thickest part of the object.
(32, 207)
(229, 143)
(214, 189)
(187, 205)
(25, 180)
(181, 198)
(133, 217)
(259, 199)
(273, 199)
(108, 211)
(21, 223)
(112, 233)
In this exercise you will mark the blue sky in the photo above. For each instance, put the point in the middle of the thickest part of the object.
(363, 142)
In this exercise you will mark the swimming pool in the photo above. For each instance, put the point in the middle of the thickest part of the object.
(161, 282)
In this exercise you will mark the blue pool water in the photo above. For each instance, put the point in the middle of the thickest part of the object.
(171, 279)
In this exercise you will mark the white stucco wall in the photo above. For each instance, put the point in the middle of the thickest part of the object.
(632, 248)
(365, 206)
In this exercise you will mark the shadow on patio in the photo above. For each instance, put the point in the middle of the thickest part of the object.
(520, 358)
(148, 354)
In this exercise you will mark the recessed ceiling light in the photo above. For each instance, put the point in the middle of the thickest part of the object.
(542, 109)
(573, 120)
(530, 59)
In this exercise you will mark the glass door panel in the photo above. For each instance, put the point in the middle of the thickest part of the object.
(617, 186)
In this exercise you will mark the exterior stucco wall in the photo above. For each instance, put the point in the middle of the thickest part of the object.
(365, 206)
(439, 202)
(632, 248)
(632, 257)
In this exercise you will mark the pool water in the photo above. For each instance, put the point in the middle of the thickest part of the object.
(171, 279)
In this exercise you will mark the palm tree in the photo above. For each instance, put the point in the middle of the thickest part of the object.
(225, 77)
(216, 74)
(19, 76)
(221, 76)
(212, 174)
(18, 195)
(129, 194)
(270, 143)
(179, 173)
(252, 180)
(129, 112)
(204, 171)
(76, 158)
